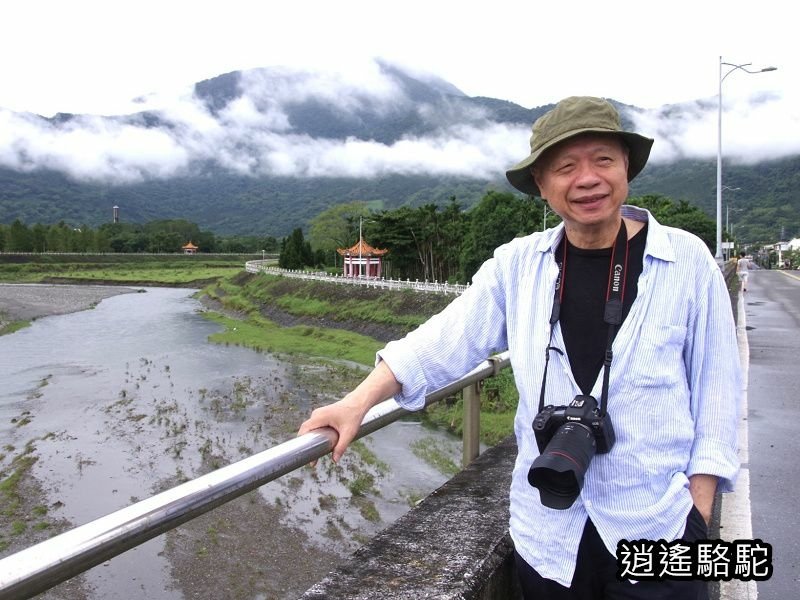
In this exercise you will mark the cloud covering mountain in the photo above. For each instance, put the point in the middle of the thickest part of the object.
(369, 122)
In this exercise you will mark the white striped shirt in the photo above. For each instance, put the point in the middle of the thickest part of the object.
(673, 395)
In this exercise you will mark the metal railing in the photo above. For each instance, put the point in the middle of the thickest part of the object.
(267, 266)
(48, 563)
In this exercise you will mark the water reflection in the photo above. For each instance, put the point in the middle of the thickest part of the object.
(130, 398)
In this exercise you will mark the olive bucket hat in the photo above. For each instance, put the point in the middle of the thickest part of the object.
(570, 117)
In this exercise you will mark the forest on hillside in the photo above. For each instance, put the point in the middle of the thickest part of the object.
(450, 244)
(162, 236)
(764, 207)
(425, 242)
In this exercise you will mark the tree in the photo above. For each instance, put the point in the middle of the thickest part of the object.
(336, 227)
(681, 215)
(39, 237)
(295, 252)
(498, 218)
(19, 238)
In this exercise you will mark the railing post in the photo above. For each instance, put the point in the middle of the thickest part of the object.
(472, 423)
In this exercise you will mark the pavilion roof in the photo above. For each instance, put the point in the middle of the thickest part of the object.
(363, 248)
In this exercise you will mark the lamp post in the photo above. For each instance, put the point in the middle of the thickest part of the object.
(360, 244)
(733, 67)
(728, 209)
(727, 255)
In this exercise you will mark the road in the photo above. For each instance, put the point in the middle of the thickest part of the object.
(769, 328)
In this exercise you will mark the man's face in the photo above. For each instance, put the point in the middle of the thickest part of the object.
(585, 181)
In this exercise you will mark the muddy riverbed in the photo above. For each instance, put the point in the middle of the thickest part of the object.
(27, 301)
(108, 406)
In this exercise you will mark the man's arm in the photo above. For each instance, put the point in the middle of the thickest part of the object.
(703, 488)
(346, 415)
(715, 385)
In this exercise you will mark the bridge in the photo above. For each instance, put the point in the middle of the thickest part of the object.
(454, 544)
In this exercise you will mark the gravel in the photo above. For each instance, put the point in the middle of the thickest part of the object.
(28, 301)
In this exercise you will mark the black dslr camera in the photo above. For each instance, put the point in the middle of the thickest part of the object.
(568, 438)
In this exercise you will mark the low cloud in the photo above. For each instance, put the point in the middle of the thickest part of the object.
(254, 135)
(89, 148)
(754, 129)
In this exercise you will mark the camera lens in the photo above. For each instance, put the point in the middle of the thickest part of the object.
(558, 471)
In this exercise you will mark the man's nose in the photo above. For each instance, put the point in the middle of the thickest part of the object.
(587, 175)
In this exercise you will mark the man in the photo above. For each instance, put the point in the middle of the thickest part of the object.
(742, 268)
(648, 332)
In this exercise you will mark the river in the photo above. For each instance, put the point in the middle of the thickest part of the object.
(129, 398)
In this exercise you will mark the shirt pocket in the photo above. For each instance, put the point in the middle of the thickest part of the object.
(658, 356)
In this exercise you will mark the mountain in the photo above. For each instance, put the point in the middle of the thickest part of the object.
(265, 150)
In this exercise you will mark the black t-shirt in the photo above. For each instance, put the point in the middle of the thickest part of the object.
(583, 304)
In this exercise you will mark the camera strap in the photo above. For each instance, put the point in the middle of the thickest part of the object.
(612, 315)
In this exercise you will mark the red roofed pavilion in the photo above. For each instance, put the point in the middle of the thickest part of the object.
(362, 260)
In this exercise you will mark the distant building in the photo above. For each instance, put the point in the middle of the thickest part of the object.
(189, 248)
(362, 260)
(116, 214)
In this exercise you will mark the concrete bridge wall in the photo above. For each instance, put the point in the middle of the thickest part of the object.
(453, 545)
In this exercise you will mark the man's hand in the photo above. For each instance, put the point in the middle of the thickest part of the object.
(345, 416)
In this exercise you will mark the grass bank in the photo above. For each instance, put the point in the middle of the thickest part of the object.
(7, 328)
(343, 322)
(328, 301)
(321, 319)
(264, 335)
(166, 270)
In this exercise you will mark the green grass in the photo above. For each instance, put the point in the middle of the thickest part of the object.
(434, 453)
(264, 335)
(127, 274)
(9, 486)
(362, 484)
(368, 457)
(121, 268)
(18, 527)
(340, 302)
(499, 398)
(245, 294)
(14, 326)
(305, 306)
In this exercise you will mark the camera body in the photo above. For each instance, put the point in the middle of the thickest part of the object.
(582, 410)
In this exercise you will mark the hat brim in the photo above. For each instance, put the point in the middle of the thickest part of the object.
(639, 146)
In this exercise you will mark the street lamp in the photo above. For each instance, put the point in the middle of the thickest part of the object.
(360, 244)
(728, 208)
(733, 67)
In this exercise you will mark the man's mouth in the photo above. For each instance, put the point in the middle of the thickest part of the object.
(589, 200)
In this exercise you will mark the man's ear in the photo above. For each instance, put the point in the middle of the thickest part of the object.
(537, 179)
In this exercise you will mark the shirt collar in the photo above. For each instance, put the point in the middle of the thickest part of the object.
(658, 244)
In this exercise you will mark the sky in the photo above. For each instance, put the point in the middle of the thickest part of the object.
(97, 57)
